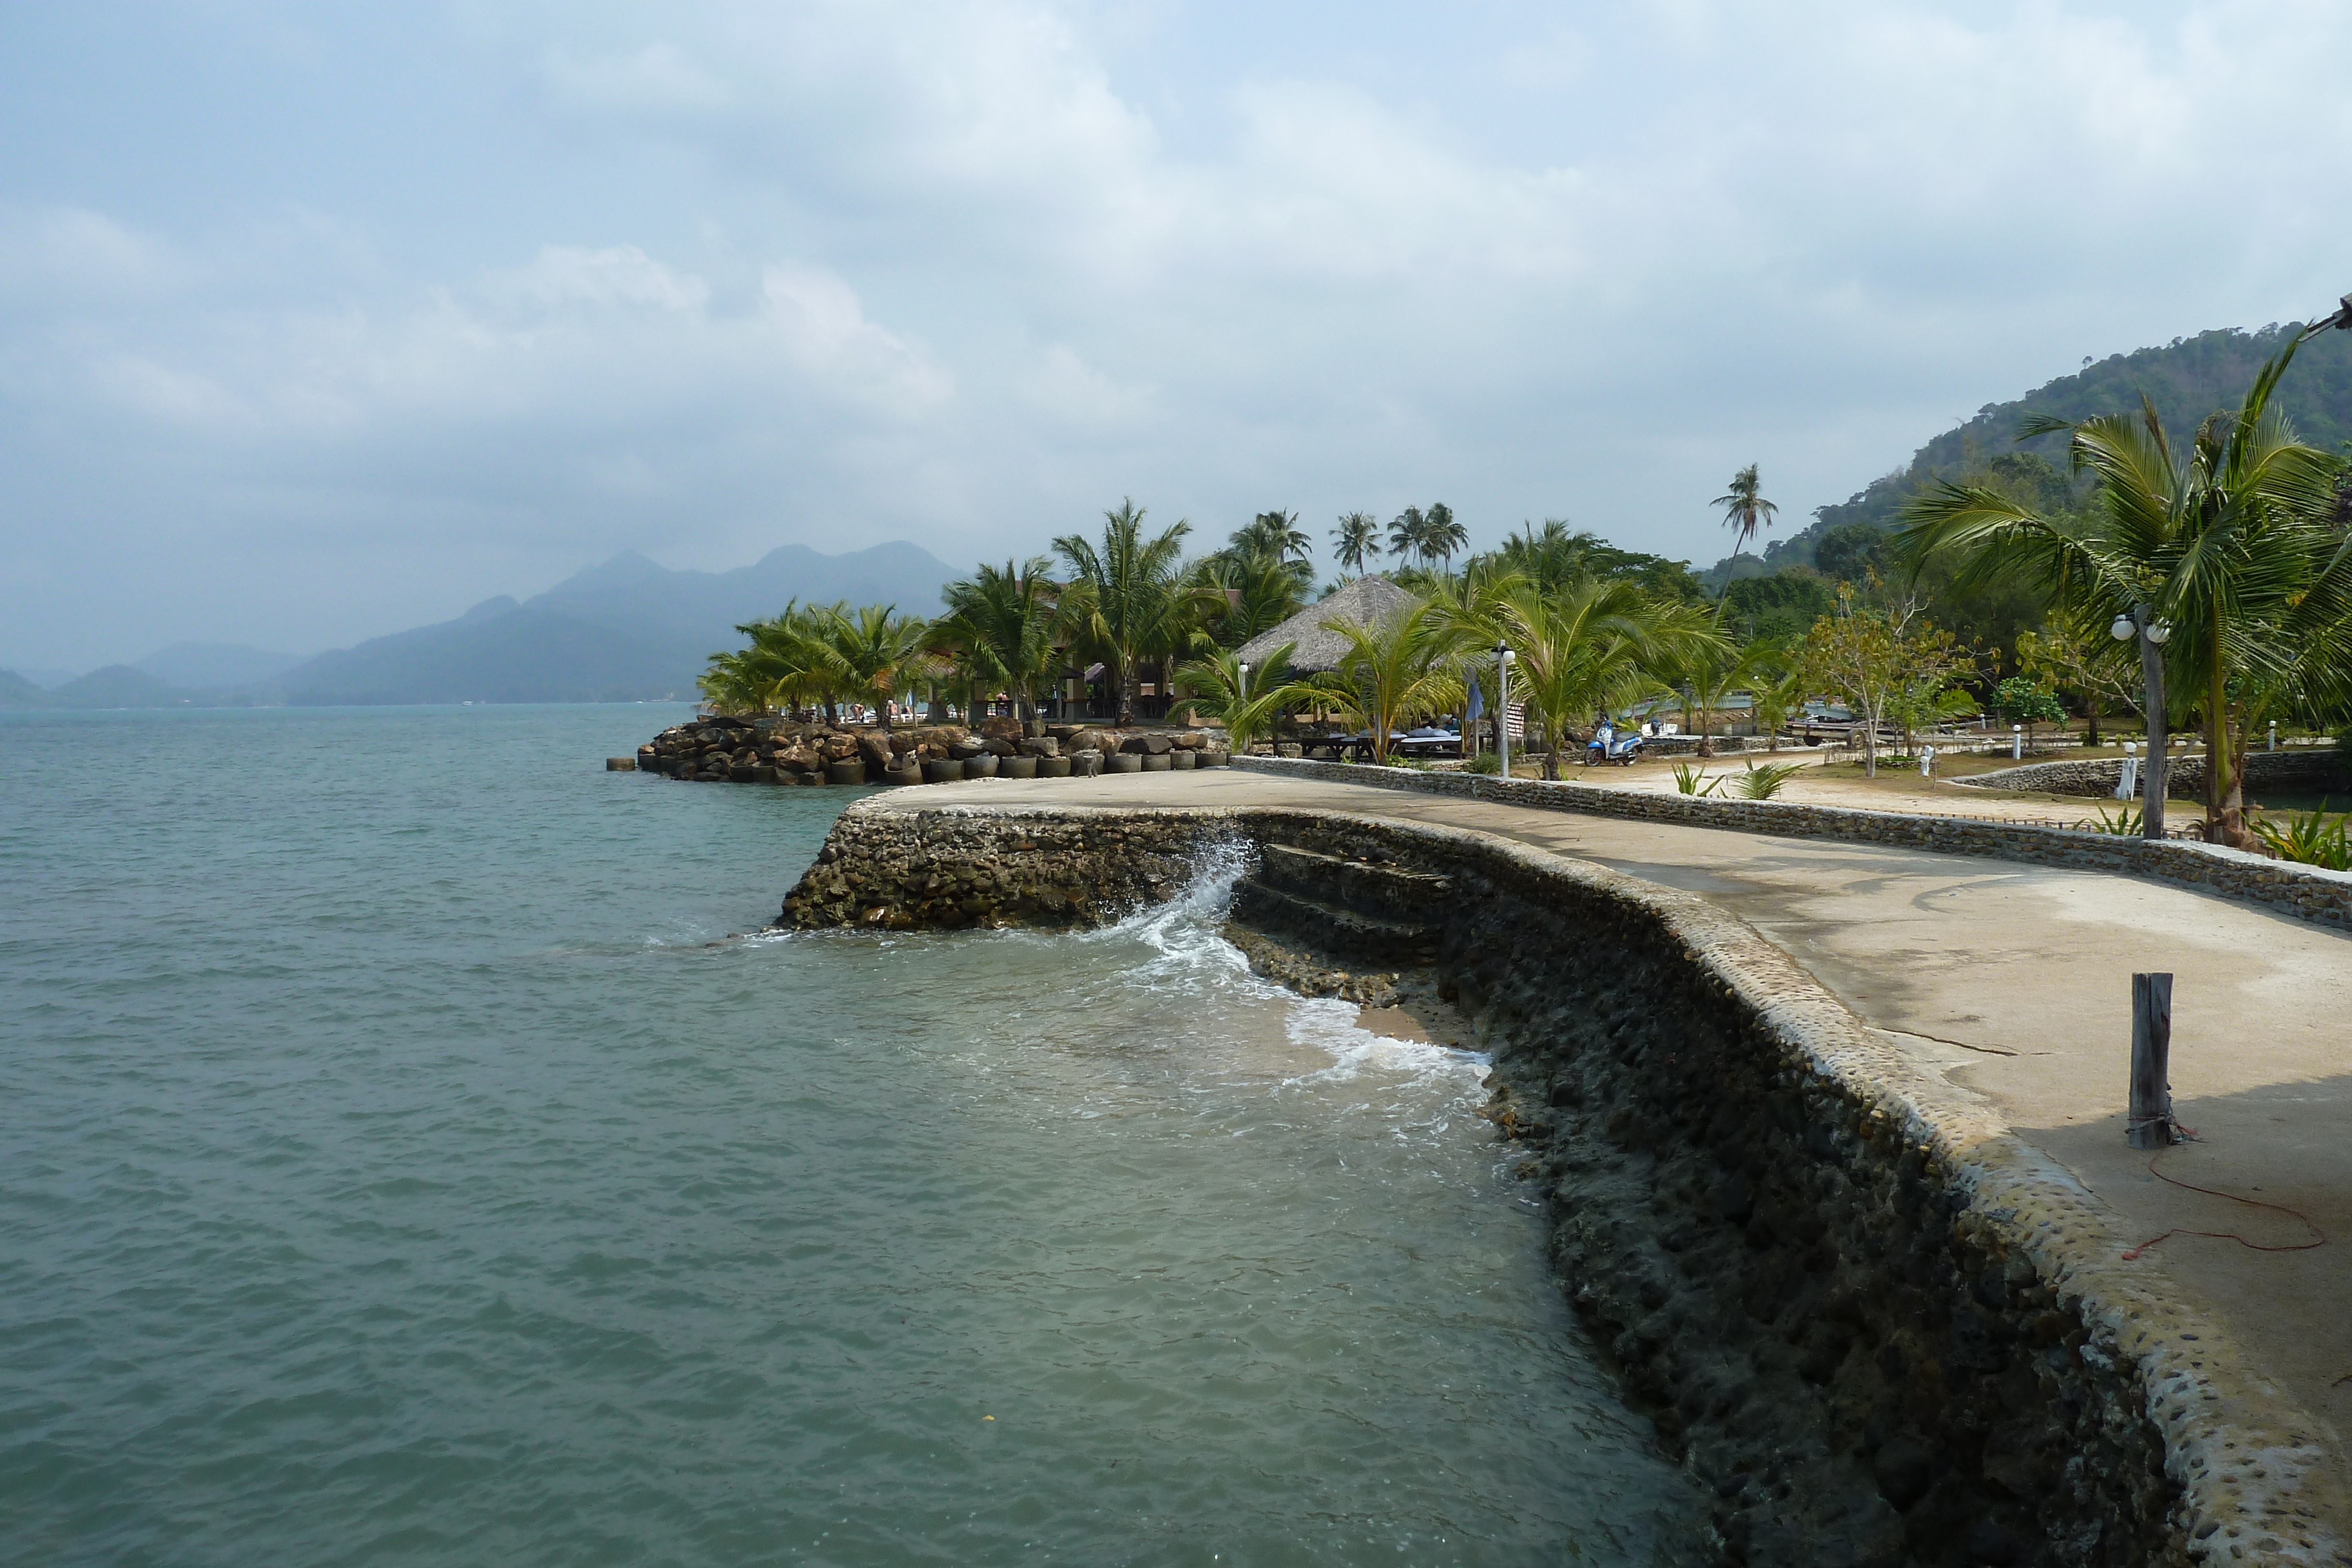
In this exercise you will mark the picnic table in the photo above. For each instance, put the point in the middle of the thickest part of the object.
(1359, 748)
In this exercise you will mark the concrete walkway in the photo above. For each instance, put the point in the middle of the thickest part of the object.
(2013, 981)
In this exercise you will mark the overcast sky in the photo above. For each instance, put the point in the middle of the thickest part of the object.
(319, 321)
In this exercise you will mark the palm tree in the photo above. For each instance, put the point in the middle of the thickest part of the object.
(1474, 604)
(1248, 700)
(1745, 509)
(783, 667)
(1593, 646)
(1357, 539)
(1252, 593)
(1001, 625)
(1409, 535)
(1276, 534)
(1778, 693)
(1394, 671)
(1128, 598)
(1711, 671)
(873, 653)
(1441, 533)
(2227, 541)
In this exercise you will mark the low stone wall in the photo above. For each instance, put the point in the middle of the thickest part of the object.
(1876, 1327)
(2302, 769)
(2307, 892)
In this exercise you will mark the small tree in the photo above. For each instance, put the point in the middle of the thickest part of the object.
(2068, 655)
(1394, 671)
(1249, 701)
(1870, 659)
(2021, 699)
(1780, 694)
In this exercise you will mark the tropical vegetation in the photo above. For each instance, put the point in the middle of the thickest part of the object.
(1993, 593)
(2228, 538)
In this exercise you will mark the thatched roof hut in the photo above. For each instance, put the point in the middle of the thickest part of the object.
(1368, 601)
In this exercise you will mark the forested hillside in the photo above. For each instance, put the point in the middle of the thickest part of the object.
(2187, 379)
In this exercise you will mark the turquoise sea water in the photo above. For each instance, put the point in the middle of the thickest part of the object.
(394, 1171)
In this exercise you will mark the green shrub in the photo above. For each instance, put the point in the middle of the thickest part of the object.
(1486, 762)
(2126, 823)
(1763, 783)
(2310, 838)
(1688, 776)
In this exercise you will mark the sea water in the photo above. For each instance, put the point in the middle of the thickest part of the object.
(402, 1163)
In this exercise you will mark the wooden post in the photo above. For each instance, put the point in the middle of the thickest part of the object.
(2150, 1123)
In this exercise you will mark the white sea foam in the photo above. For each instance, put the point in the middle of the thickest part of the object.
(1329, 1024)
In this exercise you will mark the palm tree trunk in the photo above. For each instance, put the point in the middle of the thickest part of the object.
(1126, 691)
(2217, 741)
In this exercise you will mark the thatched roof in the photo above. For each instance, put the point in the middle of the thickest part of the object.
(1368, 601)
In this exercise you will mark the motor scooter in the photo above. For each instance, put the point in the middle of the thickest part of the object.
(1608, 746)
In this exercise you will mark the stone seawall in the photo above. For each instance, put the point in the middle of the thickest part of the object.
(2302, 769)
(1877, 1327)
(2306, 892)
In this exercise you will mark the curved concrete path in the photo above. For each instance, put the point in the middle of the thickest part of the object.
(2013, 981)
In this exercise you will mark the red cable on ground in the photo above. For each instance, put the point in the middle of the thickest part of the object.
(2318, 1237)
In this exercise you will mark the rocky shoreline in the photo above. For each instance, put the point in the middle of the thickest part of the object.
(721, 748)
(1876, 1327)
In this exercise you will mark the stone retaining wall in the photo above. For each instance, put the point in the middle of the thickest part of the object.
(1877, 1327)
(2301, 768)
(2307, 892)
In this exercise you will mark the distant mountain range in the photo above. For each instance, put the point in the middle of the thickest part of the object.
(626, 631)
(2186, 379)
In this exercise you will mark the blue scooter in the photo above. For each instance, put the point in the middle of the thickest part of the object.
(1607, 745)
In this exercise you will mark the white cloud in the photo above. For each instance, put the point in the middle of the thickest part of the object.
(55, 255)
(966, 270)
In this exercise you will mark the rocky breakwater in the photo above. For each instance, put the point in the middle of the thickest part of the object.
(723, 748)
(962, 866)
(1876, 1326)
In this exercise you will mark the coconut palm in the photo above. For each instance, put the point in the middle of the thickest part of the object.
(1129, 597)
(1409, 535)
(1711, 671)
(1441, 535)
(1276, 534)
(1356, 540)
(1472, 603)
(1252, 593)
(782, 668)
(1246, 700)
(873, 653)
(1779, 694)
(1592, 646)
(2226, 540)
(1745, 509)
(1001, 626)
(1393, 672)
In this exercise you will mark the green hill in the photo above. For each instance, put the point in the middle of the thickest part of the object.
(116, 687)
(15, 691)
(2187, 379)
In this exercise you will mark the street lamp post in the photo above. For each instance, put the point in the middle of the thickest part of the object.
(2340, 321)
(2139, 622)
(1503, 659)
